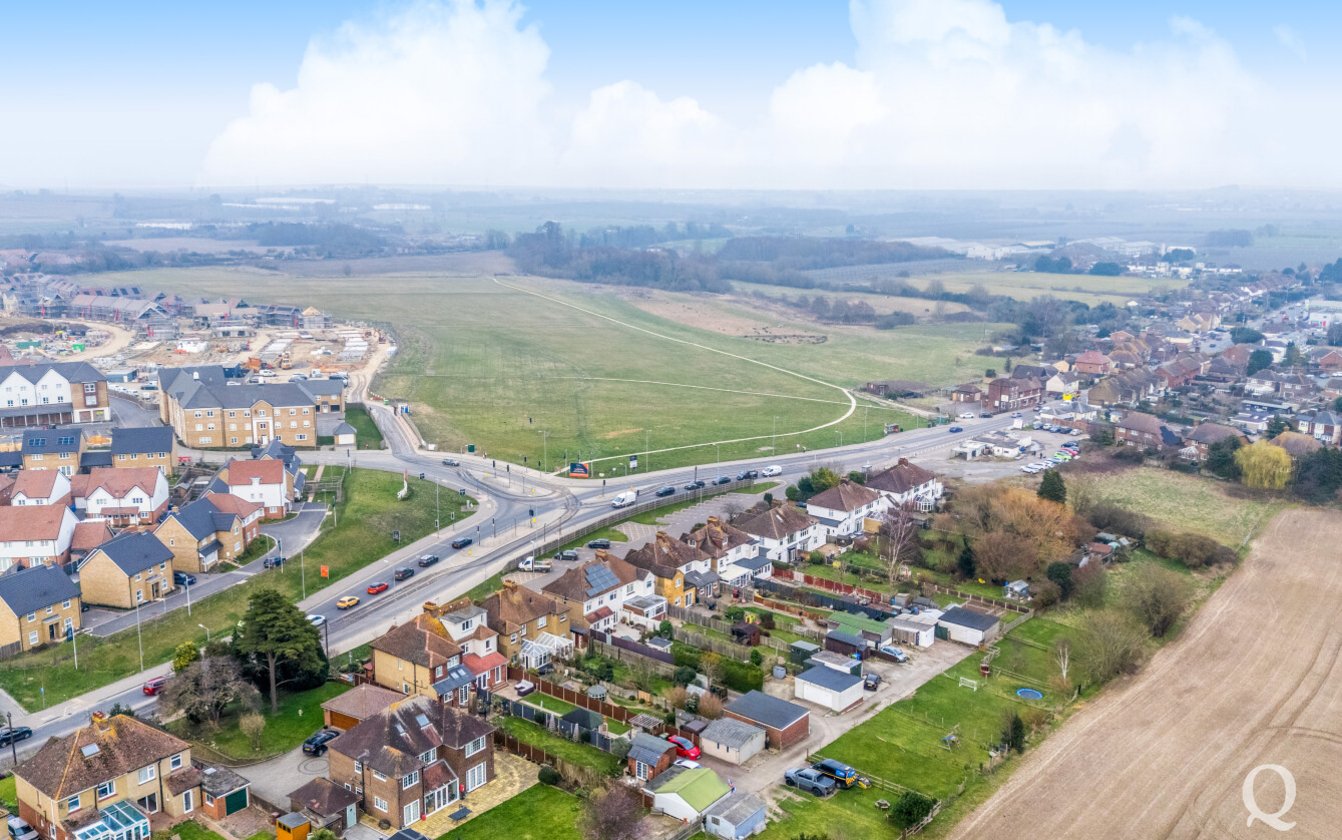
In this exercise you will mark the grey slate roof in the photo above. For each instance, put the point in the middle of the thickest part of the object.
(767, 710)
(457, 676)
(211, 390)
(72, 371)
(736, 807)
(829, 678)
(756, 563)
(649, 749)
(97, 458)
(134, 551)
(150, 439)
(50, 441)
(966, 617)
(201, 518)
(30, 590)
(732, 733)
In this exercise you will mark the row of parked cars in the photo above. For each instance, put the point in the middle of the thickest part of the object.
(824, 777)
(1070, 451)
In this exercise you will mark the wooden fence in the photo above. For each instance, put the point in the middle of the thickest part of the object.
(568, 695)
(575, 773)
(690, 616)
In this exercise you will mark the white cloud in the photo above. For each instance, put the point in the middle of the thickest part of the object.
(1291, 40)
(940, 93)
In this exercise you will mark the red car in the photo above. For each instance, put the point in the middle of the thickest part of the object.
(380, 586)
(154, 686)
(685, 748)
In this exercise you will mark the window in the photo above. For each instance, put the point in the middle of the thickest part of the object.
(380, 804)
(476, 776)
(33, 638)
(642, 771)
(209, 800)
(427, 758)
(175, 762)
(32, 616)
(107, 789)
(410, 780)
(541, 622)
(72, 804)
(463, 694)
(148, 774)
(49, 610)
(90, 387)
(379, 776)
(358, 767)
(475, 746)
(410, 813)
(300, 437)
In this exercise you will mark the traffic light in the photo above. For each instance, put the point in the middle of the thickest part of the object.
(531, 512)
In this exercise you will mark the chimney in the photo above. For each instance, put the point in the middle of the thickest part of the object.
(903, 462)
(714, 522)
(602, 555)
(101, 720)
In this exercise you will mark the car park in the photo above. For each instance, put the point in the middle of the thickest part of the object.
(843, 775)
(771, 471)
(810, 780)
(599, 543)
(461, 542)
(403, 573)
(152, 687)
(316, 744)
(663, 492)
(14, 734)
(19, 829)
(378, 587)
(183, 579)
(316, 619)
(567, 555)
(427, 560)
(685, 748)
(347, 602)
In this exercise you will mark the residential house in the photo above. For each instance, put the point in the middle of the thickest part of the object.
(1093, 363)
(325, 804)
(725, 544)
(906, 483)
(1011, 394)
(261, 482)
(966, 394)
(532, 628)
(1181, 370)
(216, 527)
(38, 606)
(35, 535)
(205, 411)
(1063, 384)
(736, 816)
(1328, 359)
(1040, 372)
(124, 497)
(412, 657)
(347, 710)
(784, 723)
(596, 591)
(843, 509)
(649, 756)
(1262, 383)
(671, 563)
(150, 446)
(294, 478)
(413, 759)
(1140, 429)
(40, 487)
(1297, 444)
(52, 449)
(786, 533)
(731, 740)
(467, 625)
(104, 781)
(130, 569)
(87, 536)
(51, 394)
(1204, 435)
(1126, 388)
(685, 793)
(1323, 426)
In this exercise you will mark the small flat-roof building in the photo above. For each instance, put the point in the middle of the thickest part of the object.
(835, 690)
(970, 627)
(784, 723)
(736, 816)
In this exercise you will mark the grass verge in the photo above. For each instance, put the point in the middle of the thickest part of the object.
(299, 716)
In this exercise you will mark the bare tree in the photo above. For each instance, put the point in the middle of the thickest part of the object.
(202, 690)
(732, 509)
(710, 665)
(613, 813)
(253, 726)
(1062, 654)
(901, 536)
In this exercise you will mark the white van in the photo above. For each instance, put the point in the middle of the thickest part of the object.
(625, 499)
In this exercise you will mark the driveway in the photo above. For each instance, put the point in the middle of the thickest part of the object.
(297, 533)
(273, 780)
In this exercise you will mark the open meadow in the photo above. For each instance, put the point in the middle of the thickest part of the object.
(558, 371)
(1021, 285)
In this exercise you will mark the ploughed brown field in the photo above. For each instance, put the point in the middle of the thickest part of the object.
(1255, 679)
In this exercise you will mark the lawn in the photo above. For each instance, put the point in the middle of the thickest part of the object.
(299, 716)
(367, 435)
(574, 372)
(9, 796)
(1184, 502)
(189, 830)
(367, 516)
(540, 812)
(847, 815)
(553, 704)
(1021, 285)
(577, 753)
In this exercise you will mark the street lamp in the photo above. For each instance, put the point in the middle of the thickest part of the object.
(139, 638)
(207, 633)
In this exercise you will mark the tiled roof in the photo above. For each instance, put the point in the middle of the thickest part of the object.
(900, 478)
(663, 556)
(36, 484)
(96, 753)
(90, 535)
(422, 641)
(141, 441)
(715, 538)
(409, 729)
(42, 522)
(29, 590)
(322, 797)
(268, 471)
(133, 551)
(846, 496)
(777, 522)
(362, 701)
(514, 606)
(118, 483)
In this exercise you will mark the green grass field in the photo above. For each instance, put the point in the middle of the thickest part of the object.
(583, 755)
(367, 435)
(1021, 285)
(523, 376)
(299, 716)
(540, 812)
(189, 830)
(367, 516)
(847, 815)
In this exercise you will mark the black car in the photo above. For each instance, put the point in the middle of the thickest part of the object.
(273, 562)
(183, 579)
(668, 490)
(451, 462)
(18, 733)
(752, 473)
(742, 475)
(403, 573)
(695, 485)
(316, 745)
(723, 479)
(462, 542)
(601, 543)
(427, 560)
(567, 555)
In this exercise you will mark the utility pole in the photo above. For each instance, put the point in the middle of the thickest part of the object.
(74, 640)
(13, 744)
(302, 571)
(188, 601)
(647, 458)
(139, 638)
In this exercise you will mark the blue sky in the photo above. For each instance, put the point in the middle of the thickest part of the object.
(149, 92)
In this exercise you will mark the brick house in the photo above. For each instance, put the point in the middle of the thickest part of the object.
(412, 760)
(39, 487)
(50, 449)
(843, 509)
(907, 483)
(1140, 429)
(131, 568)
(1323, 426)
(151, 446)
(467, 625)
(411, 657)
(596, 591)
(1012, 394)
(1205, 434)
(38, 606)
(206, 411)
(670, 562)
(649, 756)
(216, 527)
(1093, 363)
(532, 629)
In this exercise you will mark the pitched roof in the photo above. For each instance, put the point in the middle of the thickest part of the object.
(594, 577)
(50, 441)
(1210, 433)
(423, 642)
(766, 709)
(323, 797)
(362, 701)
(36, 484)
(649, 749)
(966, 617)
(699, 787)
(266, 470)
(1297, 444)
(90, 535)
(730, 732)
(846, 495)
(103, 750)
(663, 556)
(29, 590)
(900, 478)
(777, 522)
(514, 606)
(715, 538)
(406, 730)
(202, 517)
(737, 807)
(42, 522)
(149, 439)
(227, 503)
(1138, 421)
(118, 483)
(133, 551)
(829, 678)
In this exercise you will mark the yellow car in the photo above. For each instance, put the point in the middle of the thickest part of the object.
(347, 602)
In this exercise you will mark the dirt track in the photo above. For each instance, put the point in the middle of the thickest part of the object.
(1254, 680)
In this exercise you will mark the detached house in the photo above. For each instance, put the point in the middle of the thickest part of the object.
(413, 759)
(1205, 434)
(130, 569)
(216, 527)
(123, 497)
(1012, 394)
(532, 628)
(785, 531)
(413, 657)
(671, 563)
(261, 482)
(40, 487)
(842, 509)
(38, 606)
(30, 536)
(906, 483)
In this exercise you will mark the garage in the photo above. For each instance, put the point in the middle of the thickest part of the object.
(968, 627)
(835, 690)
(733, 741)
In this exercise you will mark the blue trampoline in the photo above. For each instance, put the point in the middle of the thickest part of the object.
(1029, 694)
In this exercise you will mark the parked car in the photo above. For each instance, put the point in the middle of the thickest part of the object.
(273, 562)
(1015, 414)
(427, 560)
(378, 588)
(871, 681)
(316, 744)
(687, 764)
(183, 579)
(894, 653)
(843, 775)
(461, 542)
(771, 470)
(695, 485)
(987, 415)
(685, 748)
(663, 492)
(347, 602)
(810, 780)
(316, 619)
(451, 462)
(14, 734)
(403, 573)
(567, 555)
(743, 475)
(1030, 469)
(20, 830)
(599, 543)
(152, 687)
(722, 479)
(956, 429)
(524, 687)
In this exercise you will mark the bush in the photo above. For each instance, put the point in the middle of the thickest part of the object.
(549, 776)
(817, 557)
(684, 675)
(1108, 516)
(911, 808)
(734, 613)
(741, 676)
(710, 706)
(756, 658)
(1193, 550)
(1046, 593)
(1128, 455)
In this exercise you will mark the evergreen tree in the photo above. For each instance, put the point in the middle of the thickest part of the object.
(274, 640)
(965, 563)
(1053, 488)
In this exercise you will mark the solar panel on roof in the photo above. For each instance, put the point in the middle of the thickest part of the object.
(600, 579)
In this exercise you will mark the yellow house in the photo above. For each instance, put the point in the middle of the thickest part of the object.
(38, 606)
(670, 560)
(411, 657)
(131, 568)
(532, 628)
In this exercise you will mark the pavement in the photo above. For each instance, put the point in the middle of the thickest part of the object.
(272, 780)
